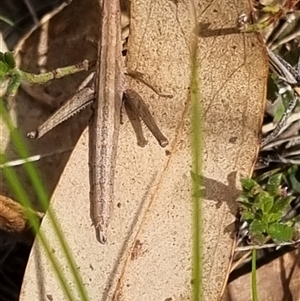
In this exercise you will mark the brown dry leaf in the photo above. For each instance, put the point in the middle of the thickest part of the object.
(148, 255)
(13, 221)
(12, 216)
(277, 280)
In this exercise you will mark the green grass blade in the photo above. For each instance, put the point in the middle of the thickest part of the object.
(20, 194)
(20, 146)
(6, 20)
(196, 146)
(254, 282)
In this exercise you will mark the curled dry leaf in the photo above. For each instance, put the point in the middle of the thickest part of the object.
(12, 216)
(13, 219)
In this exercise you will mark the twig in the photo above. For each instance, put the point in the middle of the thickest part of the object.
(266, 246)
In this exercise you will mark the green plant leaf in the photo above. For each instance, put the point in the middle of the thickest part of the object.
(274, 217)
(292, 177)
(256, 190)
(248, 216)
(273, 185)
(249, 195)
(3, 67)
(1, 56)
(280, 232)
(258, 227)
(265, 218)
(245, 199)
(10, 59)
(279, 113)
(267, 174)
(281, 205)
(246, 206)
(248, 183)
(264, 201)
(2, 75)
(258, 238)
